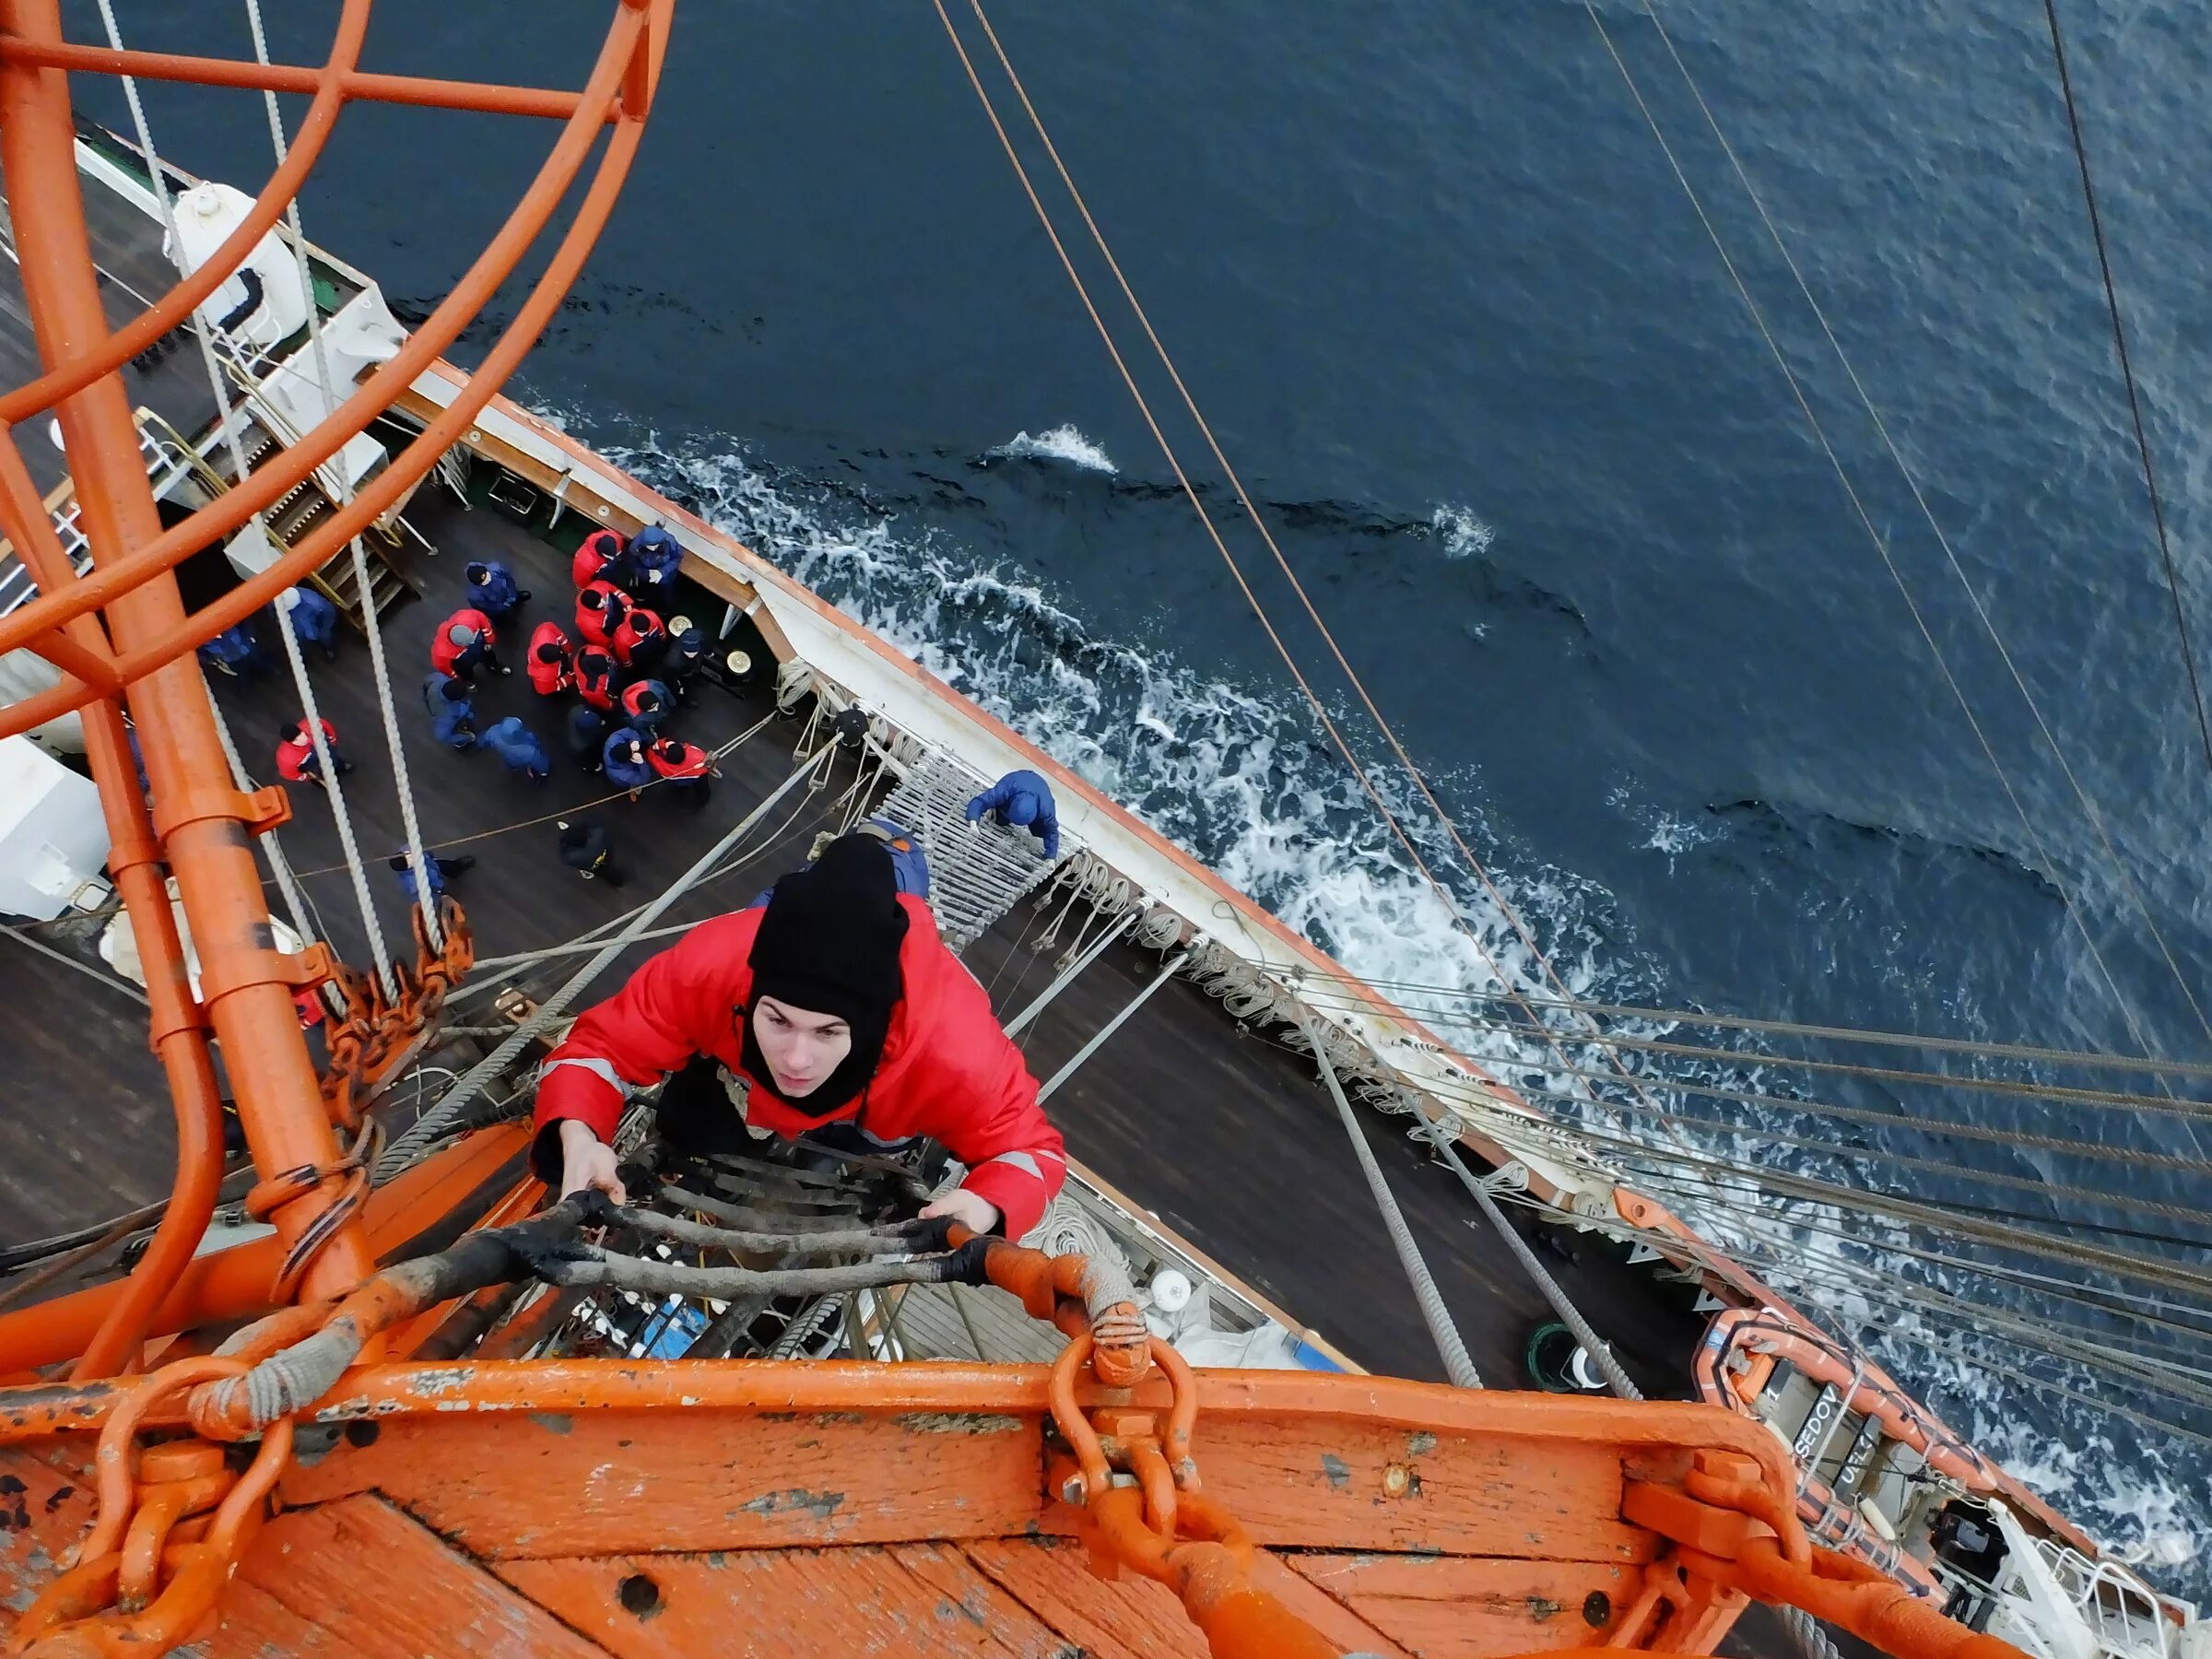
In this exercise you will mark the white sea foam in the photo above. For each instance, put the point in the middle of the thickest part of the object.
(1241, 782)
(1461, 531)
(1063, 443)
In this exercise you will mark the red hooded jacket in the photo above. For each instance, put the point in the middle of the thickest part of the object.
(948, 1069)
(597, 621)
(548, 680)
(444, 653)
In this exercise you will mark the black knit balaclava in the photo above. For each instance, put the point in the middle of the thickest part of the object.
(828, 943)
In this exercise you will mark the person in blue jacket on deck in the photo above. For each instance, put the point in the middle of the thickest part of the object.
(236, 651)
(452, 710)
(438, 869)
(1023, 800)
(314, 620)
(623, 760)
(517, 745)
(654, 557)
(492, 589)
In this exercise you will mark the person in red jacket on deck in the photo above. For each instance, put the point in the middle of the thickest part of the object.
(600, 607)
(596, 673)
(551, 671)
(834, 1011)
(601, 556)
(464, 642)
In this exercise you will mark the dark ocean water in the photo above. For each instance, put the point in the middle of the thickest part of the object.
(1449, 311)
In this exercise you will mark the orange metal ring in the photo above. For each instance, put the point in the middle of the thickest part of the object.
(117, 1474)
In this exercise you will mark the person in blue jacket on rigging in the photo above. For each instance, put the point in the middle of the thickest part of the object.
(314, 620)
(492, 589)
(1022, 800)
(517, 746)
(452, 710)
(654, 557)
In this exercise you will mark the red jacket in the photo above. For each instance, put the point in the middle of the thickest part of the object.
(295, 755)
(948, 1069)
(593, 620)
(637, 626)
(595, 678)
(443, 652)
(548, 680)
(692, 761)
(600, 548)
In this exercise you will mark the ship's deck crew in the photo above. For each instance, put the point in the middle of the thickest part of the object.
(236, 651)
(589, 849)
(314, 620)
(1025, 801)
(622, 757)
(492, 588)
(466, 641)
(645, 703)
(296, 761)
(654, 557)
(684, 768)
(600, 558)
(834, 1007)
(440, 870)
(600, 607)
(586, 736)
(452, 710)
(518, 747)
(641, 639)
(596, 673)
(551, 665)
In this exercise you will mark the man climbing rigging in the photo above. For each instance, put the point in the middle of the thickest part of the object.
(832, 1011)
(1023, 800)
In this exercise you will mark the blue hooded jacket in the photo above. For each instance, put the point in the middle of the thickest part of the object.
(233, 646)
(1021, 799)
(621, 771)
(517, 745)
(314, 619)
(654, 556)
(452, 718)
(492, 588)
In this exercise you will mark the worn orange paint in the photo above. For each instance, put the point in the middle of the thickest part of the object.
(1458, 1607)
(1128, 1618)
(382, 1586)
(925, 1601)
(556, 1483)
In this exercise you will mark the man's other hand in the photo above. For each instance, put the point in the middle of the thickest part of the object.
(587, 1161)
(977, 1215)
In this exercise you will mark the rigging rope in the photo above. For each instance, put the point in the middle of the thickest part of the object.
(2047, 868)
(1561, 1303)
(2057, 1094)
(1313, 699)
(229, 426)
(2127, 376)
(1457, 1366)
(425, 892)
(1784, 1027)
